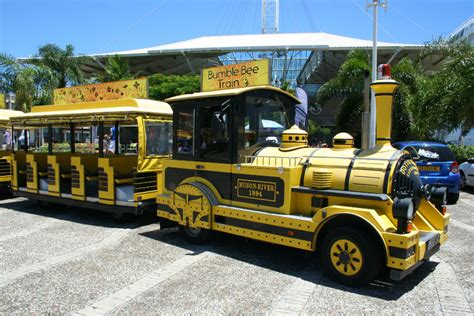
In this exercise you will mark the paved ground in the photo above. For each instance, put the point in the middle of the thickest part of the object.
(71, 261)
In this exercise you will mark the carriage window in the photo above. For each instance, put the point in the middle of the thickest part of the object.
(185, 132)
(128, 139)
(158, 138)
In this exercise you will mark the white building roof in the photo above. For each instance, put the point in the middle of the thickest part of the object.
(260, 42)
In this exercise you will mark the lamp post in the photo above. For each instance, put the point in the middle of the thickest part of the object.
(375, 4)
(10, 99)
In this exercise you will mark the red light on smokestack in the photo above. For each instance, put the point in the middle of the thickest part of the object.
(384, 72)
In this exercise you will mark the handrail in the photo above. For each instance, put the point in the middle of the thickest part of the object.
(273, 161)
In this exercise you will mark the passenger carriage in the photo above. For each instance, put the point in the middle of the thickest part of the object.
(103, 155)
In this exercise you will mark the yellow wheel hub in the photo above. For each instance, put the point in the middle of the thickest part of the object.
(346, 257)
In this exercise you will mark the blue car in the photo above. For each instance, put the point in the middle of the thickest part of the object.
(437, 166)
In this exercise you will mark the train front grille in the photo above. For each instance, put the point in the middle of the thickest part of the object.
(5, 167)
(144, 182)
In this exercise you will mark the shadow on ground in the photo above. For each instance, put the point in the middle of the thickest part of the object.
(281, 259)
(291, 262)
(75, 214)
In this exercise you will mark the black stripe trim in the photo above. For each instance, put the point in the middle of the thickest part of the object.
(385, 178)
(340, 193)
(265, 228)
(165, 208)
(386, 138)
(305, 165)
(348, 174)
(387, 171)
(383, 94)
(357, 152)
(401, 253)
(384, 82)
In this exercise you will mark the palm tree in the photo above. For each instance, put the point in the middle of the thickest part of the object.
(63, 65)
(18, 78)
(116, 69)
(34, 80)
(348, 85)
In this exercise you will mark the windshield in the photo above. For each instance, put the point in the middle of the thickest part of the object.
(264, 120)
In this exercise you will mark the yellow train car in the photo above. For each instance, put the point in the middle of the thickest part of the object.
(103, 155)
(240, 167)
(6, 146)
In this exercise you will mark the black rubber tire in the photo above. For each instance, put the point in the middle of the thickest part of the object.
(198, 236)
(453, 198)
(463, 183)
(370, 251)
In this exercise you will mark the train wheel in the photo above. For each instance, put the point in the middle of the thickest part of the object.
(453, 198)
(195, 235)
(349, 257)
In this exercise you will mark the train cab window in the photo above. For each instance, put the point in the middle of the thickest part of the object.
(185, 132)
(214, 144)
(158, 138)
(262, 120)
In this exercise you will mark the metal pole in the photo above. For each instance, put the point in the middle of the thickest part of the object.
(50, 139)
(72, 137)
(366, 114)
(101, 139)
(117, 143)
(373, 114)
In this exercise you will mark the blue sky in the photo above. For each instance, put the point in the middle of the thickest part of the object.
(98, 26)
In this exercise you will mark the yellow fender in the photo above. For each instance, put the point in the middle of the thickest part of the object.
(368, 216)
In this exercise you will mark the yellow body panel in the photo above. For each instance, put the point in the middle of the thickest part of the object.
(35, 164)
(59, 165)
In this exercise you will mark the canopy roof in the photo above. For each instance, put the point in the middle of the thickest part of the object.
(190, 56)
(227, 92)
(260, 42)
(108, 111)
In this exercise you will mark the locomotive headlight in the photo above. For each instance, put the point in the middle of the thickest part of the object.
(404, 211)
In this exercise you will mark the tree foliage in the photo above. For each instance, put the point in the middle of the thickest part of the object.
(349, 85)
(162, 86)
(64, 66)
(117, 68)
(34, 80)
(426, 102)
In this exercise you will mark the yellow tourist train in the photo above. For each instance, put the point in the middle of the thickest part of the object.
(239, 167)
(103, 155)
(232, 161)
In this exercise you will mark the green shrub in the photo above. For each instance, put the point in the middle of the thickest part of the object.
(461, 152)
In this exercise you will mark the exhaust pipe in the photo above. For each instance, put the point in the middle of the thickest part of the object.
(384, 90)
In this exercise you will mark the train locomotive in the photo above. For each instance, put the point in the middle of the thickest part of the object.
(240, 167)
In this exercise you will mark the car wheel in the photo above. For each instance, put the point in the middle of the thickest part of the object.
(463, 182)
(194, 235)
(350, 257)
(453, 198)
